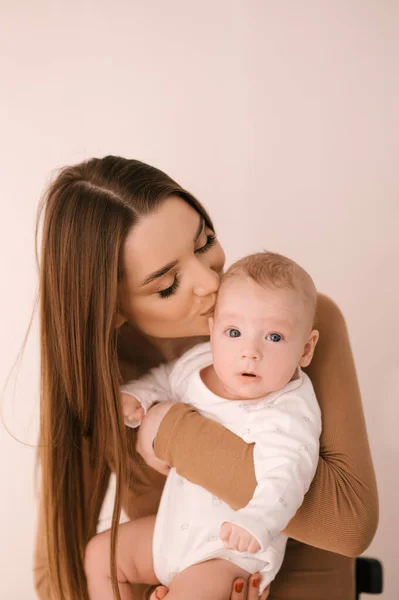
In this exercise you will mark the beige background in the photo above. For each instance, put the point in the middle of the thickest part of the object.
(282, 117)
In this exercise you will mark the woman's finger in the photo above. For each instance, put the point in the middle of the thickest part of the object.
(238, 590)
(159, 593)
(253, 587)
(266, 593)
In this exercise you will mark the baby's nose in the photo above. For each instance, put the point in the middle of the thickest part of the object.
(251, 354)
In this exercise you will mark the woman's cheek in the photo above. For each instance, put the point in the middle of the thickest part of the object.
(179, 310)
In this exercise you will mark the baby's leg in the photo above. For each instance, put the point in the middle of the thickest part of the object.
(210, 580)
(134, 563)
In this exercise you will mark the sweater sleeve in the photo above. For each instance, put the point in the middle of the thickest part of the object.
(340, 510)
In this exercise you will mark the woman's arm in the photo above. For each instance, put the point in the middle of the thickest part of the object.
(341, 507)
(340, 511)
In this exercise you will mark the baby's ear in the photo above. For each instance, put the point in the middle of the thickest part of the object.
(308, 350)
(210, 323)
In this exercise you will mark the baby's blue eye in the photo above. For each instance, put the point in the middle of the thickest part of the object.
(274, 337)
(234, 333)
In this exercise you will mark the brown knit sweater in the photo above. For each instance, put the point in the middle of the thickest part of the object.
(339, 515)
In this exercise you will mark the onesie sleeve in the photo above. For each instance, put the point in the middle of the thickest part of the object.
(286, 453)
(152, 387)
(340, 510)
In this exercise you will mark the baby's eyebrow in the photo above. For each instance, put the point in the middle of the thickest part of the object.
(266, 322)
(281, 322)
(229, 317)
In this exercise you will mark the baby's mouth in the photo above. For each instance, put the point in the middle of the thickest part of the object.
(248, 374)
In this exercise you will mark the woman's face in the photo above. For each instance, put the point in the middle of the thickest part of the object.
(171, 268)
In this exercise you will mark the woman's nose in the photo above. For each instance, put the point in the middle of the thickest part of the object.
(206, 280)
(251, 354)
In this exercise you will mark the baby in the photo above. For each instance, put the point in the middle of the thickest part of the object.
(248, 378)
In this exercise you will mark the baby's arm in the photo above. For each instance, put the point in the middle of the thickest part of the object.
(285, 456)
(137, 397)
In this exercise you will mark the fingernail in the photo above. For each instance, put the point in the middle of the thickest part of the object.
(239, 586)
(256, 581)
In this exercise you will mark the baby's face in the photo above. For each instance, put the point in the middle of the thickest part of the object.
(258, 337)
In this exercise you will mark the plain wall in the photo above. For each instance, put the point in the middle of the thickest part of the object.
(282, 117)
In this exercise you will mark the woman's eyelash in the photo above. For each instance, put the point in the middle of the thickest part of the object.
(171, 289)
(210, 241)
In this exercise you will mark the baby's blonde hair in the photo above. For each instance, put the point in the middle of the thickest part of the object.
(272, 270)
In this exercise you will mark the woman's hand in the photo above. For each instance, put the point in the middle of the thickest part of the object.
(147, 433)
(238, 592)
(249, 592)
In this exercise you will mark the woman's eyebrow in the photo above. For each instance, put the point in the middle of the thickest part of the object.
(163, 270)
(199, 230)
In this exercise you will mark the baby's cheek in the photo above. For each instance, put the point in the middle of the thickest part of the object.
(223, 357)
(283, 373)
(222, 362)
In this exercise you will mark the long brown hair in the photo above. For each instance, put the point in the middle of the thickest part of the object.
(86, 213)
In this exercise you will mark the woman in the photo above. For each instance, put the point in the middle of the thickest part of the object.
(129, 272)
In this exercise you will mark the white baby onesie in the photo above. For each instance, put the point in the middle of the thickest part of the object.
(285, 427)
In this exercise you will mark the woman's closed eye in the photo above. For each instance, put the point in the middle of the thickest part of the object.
(167, 292)
(210, 241)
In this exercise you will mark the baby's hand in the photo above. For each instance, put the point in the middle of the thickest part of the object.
(237, 538)
(131, 408)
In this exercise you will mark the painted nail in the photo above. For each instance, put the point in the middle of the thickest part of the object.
(239, 586)
(256, 582)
